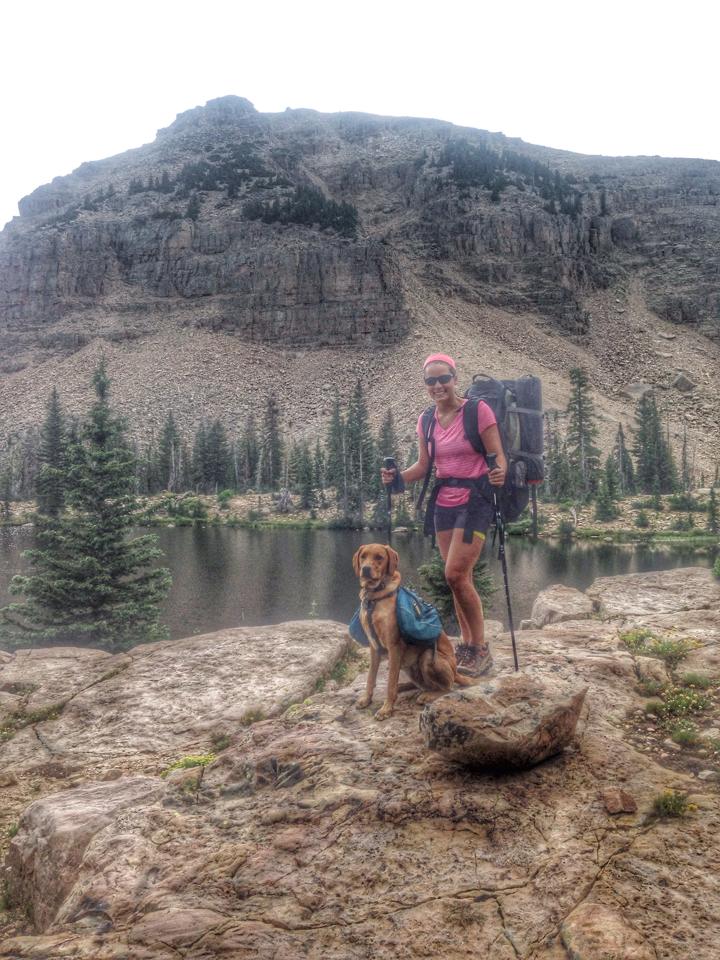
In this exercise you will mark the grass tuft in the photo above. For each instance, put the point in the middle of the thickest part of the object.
(671, 803)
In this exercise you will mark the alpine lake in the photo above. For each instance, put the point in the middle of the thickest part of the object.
(235, 576)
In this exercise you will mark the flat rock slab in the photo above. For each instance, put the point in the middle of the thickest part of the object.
(169, 698)
(321, 833)
(597, 932)
(559, 603)
(665, 591)
(514, 721)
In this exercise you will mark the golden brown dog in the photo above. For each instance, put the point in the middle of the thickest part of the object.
(433, 671)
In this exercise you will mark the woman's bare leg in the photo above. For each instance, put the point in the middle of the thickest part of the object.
(444, 538)
(459, 564)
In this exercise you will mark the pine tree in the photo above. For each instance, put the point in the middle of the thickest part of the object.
(271, 445)
(319, 472)
(249, 452)
(712, 512)
(168, 456)
(217, 457)
(336, 463)
(50, 490)
(304, 481)
(684, 464)
(559, 483)
(6, 490)
(200, 472)
(611, 478)
(90, 581)
(625, 469)
(605, 508)
(388, 445)
(656, 472)
(363, 468)
(583, 455)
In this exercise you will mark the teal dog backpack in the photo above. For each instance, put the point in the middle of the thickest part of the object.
(418, 621)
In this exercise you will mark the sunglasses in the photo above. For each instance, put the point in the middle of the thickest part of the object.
(443, 378)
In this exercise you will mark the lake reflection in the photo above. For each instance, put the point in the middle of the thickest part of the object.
(224, 577)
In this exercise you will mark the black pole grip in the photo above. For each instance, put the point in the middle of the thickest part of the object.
(398, 484)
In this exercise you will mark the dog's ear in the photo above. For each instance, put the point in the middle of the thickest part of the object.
(356, 561)
(393, 560)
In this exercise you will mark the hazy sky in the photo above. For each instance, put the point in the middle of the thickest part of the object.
(82, 80)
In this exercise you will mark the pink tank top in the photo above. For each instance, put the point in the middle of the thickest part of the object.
(454, 454)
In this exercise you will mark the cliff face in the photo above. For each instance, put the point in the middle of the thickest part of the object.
(517, 226)
(301, 232)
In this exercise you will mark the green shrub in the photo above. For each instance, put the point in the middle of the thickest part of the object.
(220, 741)
(699, 680)
(636, 640)
(684, 501)
(224, 498)
(566, 528)
(671, 803)
(716, 568)
(655, 707)
(685, 733)
(671, 651)
(645, 643)
(435, 589)
(195, 760)
(642, 521)
(650, 688)
(681, 703)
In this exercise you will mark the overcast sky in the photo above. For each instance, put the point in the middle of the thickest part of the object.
(81, 81)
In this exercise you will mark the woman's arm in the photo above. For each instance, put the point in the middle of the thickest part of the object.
(493, 444)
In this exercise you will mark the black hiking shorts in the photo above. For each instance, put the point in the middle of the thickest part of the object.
(478, 515)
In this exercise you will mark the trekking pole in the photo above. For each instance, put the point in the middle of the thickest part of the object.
(396, 485)
(500, 529)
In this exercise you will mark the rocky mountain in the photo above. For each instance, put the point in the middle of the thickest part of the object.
(243, 253)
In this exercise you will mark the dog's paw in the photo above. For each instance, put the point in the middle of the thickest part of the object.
(428, 697)
(383, 713)
(363, 702)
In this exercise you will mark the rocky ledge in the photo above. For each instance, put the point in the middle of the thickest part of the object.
(321, 833)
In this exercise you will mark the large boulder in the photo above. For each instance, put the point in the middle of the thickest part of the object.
(560, 603)
(513, 721)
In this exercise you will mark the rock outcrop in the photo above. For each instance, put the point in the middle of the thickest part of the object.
(322, 833)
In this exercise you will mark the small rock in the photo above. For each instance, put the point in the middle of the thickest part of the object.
(683, 383)
(8, 779)
(617, 800)
(708, 775)
(671, 745)
(634, 391)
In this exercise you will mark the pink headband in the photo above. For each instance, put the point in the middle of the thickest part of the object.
(440, 358)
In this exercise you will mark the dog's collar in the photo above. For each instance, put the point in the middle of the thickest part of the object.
(370, 595)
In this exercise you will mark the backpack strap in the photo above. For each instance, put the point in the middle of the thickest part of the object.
(428, 429)
(470, 425)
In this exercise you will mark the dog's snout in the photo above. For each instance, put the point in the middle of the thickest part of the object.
(366, 570)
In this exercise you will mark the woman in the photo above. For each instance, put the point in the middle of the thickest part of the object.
(461, 513)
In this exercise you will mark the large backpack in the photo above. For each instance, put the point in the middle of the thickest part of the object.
(517, 405)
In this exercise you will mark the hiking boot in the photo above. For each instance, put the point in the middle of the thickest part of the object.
(473, 661)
